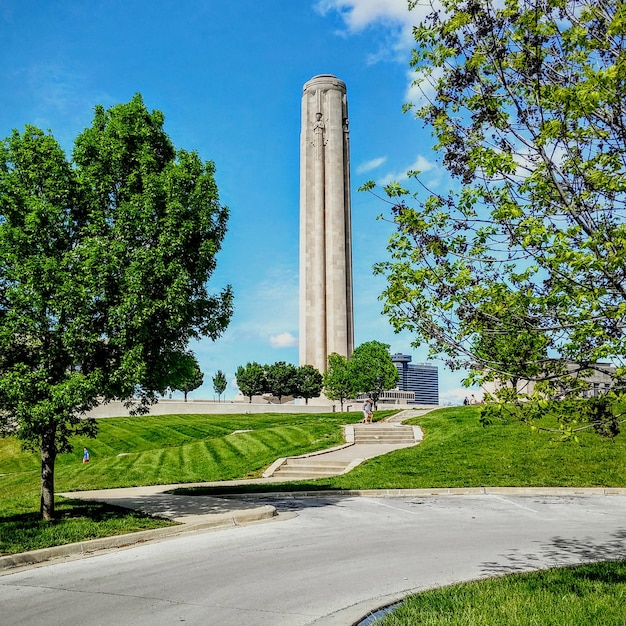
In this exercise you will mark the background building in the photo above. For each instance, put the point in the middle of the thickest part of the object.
(600, 379)
(420, 378)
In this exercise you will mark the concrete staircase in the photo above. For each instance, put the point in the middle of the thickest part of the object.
(383, 433)
(310, 467)
(364, 441)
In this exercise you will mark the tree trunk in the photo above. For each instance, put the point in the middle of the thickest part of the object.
(48, 457)
(185, 395)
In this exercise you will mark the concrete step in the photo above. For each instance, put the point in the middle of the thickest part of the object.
(317, 464)
(387, 430)
(376, 426)
(383, 434)
(389, 441)
(379, 426)
(310, 468)
(297, 473)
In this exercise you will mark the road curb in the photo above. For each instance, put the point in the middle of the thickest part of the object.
(81, 549)
(438, 491)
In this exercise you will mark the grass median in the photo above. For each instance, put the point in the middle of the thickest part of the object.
(582, 595)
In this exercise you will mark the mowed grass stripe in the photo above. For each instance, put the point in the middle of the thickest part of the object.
(14, 459)
(299, 439)
(213, 459)
(134, 434)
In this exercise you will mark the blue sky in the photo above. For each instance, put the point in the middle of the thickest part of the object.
(228, 76)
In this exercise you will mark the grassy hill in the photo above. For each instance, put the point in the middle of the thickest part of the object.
(456, 452)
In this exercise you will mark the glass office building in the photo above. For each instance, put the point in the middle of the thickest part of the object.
(420, 378)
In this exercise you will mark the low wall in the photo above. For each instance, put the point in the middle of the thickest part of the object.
(203, 407)
(178, 407)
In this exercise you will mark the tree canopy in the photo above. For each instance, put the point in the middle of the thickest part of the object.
(308, 382)
(104, 269)
(369, 370)
(251, 379)
(338, 380)
(187, 374)
(279, 379)
(526, 102)
(372, 369)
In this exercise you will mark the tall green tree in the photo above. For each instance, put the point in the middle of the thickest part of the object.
(526, 104)
(104, 270)
(372, 369)
(338, 380)
(219, 383)
(281, 379)
(251, 379)
(308, 382)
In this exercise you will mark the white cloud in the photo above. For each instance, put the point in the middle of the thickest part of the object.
(424, 92)
(395, 21)
(370, 165)
(456, 395)
(284, 340)
(421, 164)
(359, 14)
(392, 15)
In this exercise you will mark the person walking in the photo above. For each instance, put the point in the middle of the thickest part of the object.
(368, 407)
(85, 455)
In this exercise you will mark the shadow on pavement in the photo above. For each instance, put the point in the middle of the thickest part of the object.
(561, 552)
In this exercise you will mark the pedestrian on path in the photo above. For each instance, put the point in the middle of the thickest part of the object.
(368, 406)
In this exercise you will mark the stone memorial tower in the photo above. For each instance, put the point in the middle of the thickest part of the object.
(326, 304)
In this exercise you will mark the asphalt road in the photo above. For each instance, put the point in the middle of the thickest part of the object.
(329, 565)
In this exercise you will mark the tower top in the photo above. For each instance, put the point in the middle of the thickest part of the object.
(324, 80)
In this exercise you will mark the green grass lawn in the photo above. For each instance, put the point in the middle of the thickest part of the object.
(584, 595)
(458, 452)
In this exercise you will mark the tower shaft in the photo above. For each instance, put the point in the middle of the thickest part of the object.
(326, 303)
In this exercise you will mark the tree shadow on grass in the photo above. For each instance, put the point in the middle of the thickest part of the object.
(74, 520)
